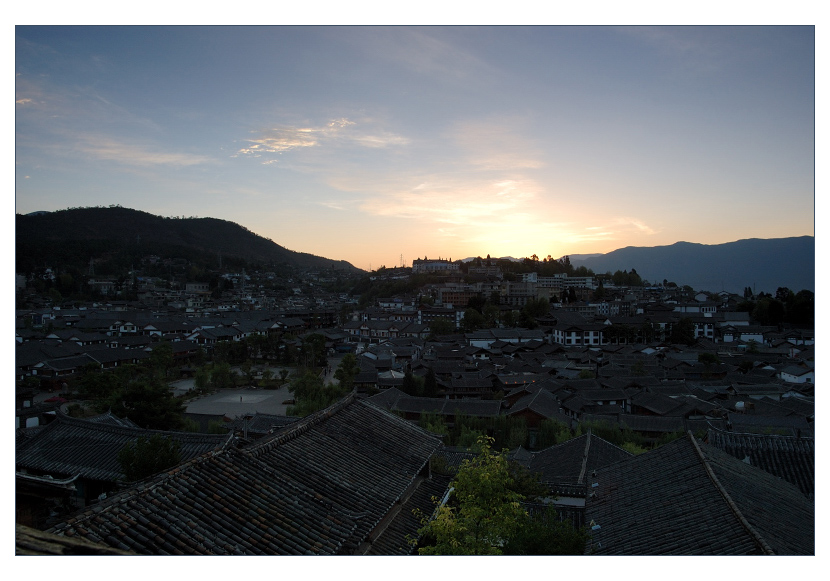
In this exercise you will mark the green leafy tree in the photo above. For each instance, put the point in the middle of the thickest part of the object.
(312, 394)
(768, 311)
(412, 385)
(432, 422)
(483, 511)
(552, 432)
(683, 332)
(150, 403)
(430, 384)
(313, 350)
(544, 533)
(491, 315)
(202, 378)
(95, 384)
(346, 371)
(161, 358)
(147, 456)
(802, 310)
(247, 368)
(441, 327)
(472, 321)
(217, 427)
(221, 376)
(510, 318)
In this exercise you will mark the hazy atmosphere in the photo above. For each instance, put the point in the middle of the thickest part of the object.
(376, 144)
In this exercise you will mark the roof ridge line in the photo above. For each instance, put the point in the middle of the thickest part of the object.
(759, 540)
(584, 458)
(299, 427)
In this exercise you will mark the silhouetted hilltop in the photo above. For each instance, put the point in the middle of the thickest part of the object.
(763, 264)
(78, 234)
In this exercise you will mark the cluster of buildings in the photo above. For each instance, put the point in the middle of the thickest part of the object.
(345, 480)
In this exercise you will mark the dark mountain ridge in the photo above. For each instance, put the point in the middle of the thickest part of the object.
(762, 264)
(83, 233)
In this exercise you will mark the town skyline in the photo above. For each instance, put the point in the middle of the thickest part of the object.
(378, 145)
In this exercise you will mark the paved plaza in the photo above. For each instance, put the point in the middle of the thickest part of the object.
(242, 401)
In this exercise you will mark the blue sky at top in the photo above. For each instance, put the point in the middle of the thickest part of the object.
(368, 143)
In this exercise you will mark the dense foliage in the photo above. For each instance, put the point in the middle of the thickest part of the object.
(312, 394)
(484, 514)
(147, 456)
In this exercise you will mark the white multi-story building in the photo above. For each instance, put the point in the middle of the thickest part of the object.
(433, 266)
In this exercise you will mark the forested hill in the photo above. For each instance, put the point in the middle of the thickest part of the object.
(76, 235)
(762, 264)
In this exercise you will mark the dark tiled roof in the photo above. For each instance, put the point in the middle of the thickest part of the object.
(400, 402)
(404, 525)
(573, 461)
(261, 424)
(542, 402)
(686, 498)
(792, 459)
(655, 402)
(113, 420)
(73, 446)
(319, 486)
(661, 424)
(765, 424)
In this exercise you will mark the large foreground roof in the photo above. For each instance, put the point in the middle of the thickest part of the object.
(322, 485)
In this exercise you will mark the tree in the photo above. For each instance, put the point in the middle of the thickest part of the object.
(472, 321)
(683, 332)
(247, 368)
(441, 326)
(202, 378)
(221, 376)
(483, 511)
(311, 394)
(412, 385)
(147, 456)
(509, 318)
(347, 371)
(768, 311)
(161, 358)
(544, 533)
(149, 403)
(95, 384)
(313, 350)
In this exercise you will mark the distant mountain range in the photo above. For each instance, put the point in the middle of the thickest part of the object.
(75, 235)
(762, 264)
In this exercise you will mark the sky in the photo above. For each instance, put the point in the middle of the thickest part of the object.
(379, 145)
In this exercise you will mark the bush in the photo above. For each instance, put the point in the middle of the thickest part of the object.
(147, 456)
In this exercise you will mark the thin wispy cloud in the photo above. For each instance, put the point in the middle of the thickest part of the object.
(104, 148)
(423, 51)
(638, 225)
(341, 131)
(621, 228)
(453, 203)
(496, 145)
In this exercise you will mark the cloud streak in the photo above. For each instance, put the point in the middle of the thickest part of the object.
(496, 144)
(455, 203)
(104, 148)
(336, 132)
